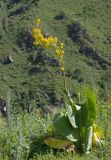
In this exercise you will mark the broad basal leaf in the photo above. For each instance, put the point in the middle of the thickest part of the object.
(64, 128)
(57, 143)
(71, 109)
(71, 115)
(91, 107)
(88, 139)
(83, 115)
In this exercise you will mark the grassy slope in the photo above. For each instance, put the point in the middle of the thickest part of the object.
(93, 15)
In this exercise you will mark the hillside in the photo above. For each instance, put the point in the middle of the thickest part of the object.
(83, 26)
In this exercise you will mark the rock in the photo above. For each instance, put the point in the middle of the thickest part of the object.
(40, 58)
(60, 16)
(3, 107)
(20, 10)
(25, 39)
(8, 60)
(45, 35)
(54, 62)
(78, 34)
(90, 52)
(14, 1)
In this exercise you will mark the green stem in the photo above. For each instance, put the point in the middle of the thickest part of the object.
(64, 81)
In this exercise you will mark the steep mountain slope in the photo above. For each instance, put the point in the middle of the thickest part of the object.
(83, 26)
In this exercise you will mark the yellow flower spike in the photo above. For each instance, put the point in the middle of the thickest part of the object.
(48, 42)
(38, 21)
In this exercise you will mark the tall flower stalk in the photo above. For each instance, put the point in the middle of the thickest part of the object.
(51, 43)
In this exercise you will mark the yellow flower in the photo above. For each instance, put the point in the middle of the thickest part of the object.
(36, 31)
(97, 135)
(48, 42)
(62, 52)
(58, 52)
(35, 43)
(61, 45)
(55, 39)
(38, 21)
(35, 36)
(40, 36)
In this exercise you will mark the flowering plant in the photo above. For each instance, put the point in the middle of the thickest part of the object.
(48, 42)
(77, 124)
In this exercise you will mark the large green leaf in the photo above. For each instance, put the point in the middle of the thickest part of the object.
(57, 143)
(87, 144)
(71, 109)
(71, 115)
(64, 128)
(91, 107)
(83, 115)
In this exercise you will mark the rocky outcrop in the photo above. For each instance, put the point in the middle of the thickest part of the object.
(90, 52)
(26, 4)
(78, 34)
(14, 1)
(25, 39)
(7, 60)
(54, 62)
(81, 37)
(20, 10)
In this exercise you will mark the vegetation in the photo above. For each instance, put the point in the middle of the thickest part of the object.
(25, 76)
(36, 84)
(77, 123)
(25, 135)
